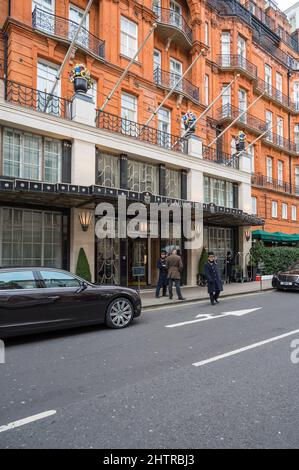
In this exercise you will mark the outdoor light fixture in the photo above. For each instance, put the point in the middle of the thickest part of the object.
(247, 235)
(85, 219)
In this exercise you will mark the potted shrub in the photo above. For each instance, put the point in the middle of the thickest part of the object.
(82, 268)
(201, 281)
(80, 76)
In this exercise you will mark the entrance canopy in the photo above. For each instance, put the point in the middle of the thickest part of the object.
(275, 236)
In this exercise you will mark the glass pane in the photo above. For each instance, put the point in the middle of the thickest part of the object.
(56, 279)
(17, 280)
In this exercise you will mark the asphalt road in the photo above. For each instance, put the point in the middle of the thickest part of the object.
(139, 387)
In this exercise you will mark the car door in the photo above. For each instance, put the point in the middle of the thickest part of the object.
(21, 303)
(70, 300)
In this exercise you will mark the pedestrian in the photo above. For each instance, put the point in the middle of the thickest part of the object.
(228, 267)
(213, 278)
(174, 267)
(162, 281)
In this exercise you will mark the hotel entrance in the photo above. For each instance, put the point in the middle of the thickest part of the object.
(137, 257)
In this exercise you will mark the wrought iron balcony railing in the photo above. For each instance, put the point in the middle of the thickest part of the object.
(280, 141)
(247, 120)
(169, 79)
(272, 48)
(271, 183)
(237, 61)
(64, 28)
(28, 97)
(174, 19)
(113, 123)
(275, 94)
(220, 157)
(260, 14)
(288, 39)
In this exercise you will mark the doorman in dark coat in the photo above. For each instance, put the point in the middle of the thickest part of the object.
(228, 267)
(213, 278)
(162, 281)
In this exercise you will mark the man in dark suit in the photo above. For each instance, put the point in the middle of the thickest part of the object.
(213, 278)
(162, 281)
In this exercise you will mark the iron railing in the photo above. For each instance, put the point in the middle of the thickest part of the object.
(260, 14)
(220, 157)
(288, 39)
(29, 97)
(271, 183)
(237, 61)
(60, 27)
(274, 93)
(172, 18)
(113, 123)
(248, 120)
(280, 141)
(169, 79)
(272, 48)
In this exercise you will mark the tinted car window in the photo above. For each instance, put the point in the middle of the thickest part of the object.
(17, 280)
(56, 279)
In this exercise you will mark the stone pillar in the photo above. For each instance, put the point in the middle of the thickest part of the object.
(194, 146)
(244, 247)
(195, 194)
(83, 109)
(83, 163)
(80, 239)
(245, 163)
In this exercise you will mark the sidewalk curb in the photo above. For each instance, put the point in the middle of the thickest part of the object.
(206, 299)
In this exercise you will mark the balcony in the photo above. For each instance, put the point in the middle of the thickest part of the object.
(113, 123)
(173, 25)
(37, 100)
(288, 39)
(272, 48)
(275, 95)
(280, 142)
(229, 112)
(167, 80)
(260, 14)
(237, 62)
(65, 29)
(271, 183)
(220, 157)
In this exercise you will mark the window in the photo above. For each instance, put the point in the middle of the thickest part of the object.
(175, 14)
(129, 114)
(219, 192)
(279, 130)
(157, 66)
(254, 205)
(280, 172)
(54, 279)
(278, 86)
(164, 127)
(93, 92)
(292, 20)
(268, 79)
(269, 123)
(296, 136)
(294, 213)
(225, 48)
(242, 99)
(26, 155)
(241, 51)
(284, 210)
(226, 101)
(17, 280)
(296, 94)
(30, 237)
(269, 169)
(107, 170)
(142, 177)
(172, 183)
(46, 76)
(129, 37)
(44, 15)
(274, 209)
(250, 152)
(207, 89)
(76, 15)
(176, 71)
(207, 33)
(297, 180)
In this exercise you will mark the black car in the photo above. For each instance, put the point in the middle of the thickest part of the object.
(42, 299)
(288, 279)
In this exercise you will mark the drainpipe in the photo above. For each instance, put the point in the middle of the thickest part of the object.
(5, 64)
(289, 130)
(9, 7)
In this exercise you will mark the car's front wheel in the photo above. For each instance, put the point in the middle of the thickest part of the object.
(119, 313)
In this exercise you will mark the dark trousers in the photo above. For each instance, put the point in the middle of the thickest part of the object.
(161, 283)
(177, 286)
(214, 295)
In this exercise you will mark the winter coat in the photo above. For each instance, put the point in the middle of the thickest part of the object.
(174, 267)
(161, 265)
(213, 277)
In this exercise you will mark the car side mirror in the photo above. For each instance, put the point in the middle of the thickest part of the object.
(82, 287)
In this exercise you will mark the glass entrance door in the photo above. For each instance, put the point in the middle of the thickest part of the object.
(220, 241)
(137, 257)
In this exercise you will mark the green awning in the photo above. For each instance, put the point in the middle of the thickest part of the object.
(275, 236)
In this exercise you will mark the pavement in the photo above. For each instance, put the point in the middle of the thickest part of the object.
(187, 375)
(200, 293)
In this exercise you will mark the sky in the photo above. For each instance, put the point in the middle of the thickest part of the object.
(283, 4)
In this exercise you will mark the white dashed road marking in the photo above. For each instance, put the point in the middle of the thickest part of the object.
(30, 419)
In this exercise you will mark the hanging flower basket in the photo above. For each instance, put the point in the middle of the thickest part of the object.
(80, 76)
(188, 119)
